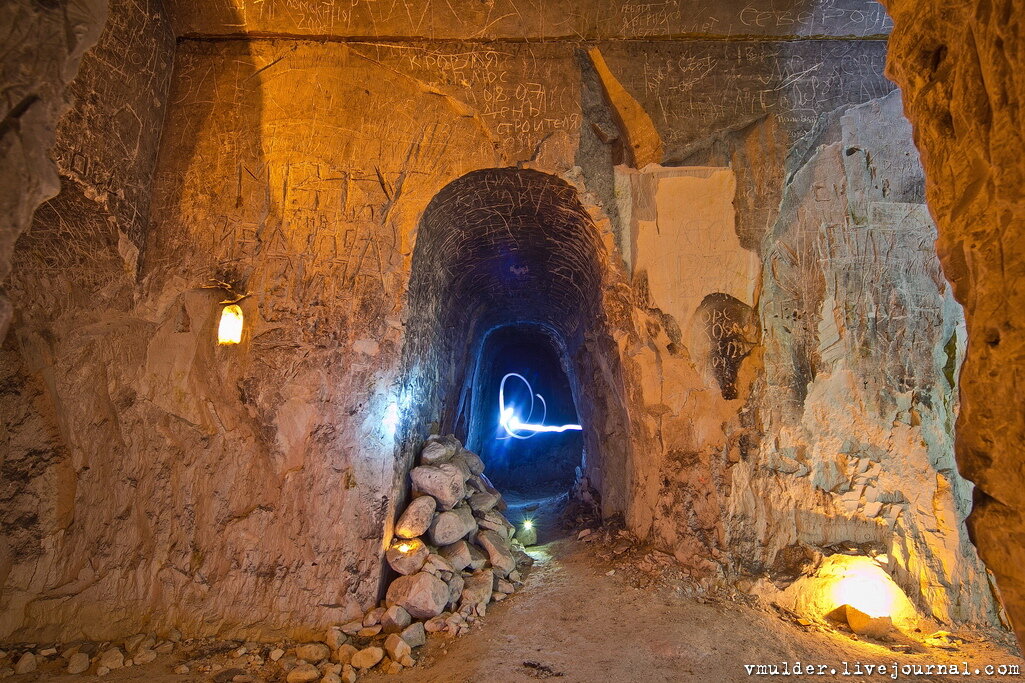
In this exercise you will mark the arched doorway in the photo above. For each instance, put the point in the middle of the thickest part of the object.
(507, 277)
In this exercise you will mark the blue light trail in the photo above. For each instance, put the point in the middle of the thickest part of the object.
(524, 430)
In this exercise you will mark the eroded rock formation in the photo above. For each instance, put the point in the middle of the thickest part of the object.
(960, 66)
(756, 334)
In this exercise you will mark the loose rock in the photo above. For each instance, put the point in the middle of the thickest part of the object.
(417, 517)
(451, 526)
(477, 558)
(313, 652)
(303, 673)
(343, 655)
(26, 663)
(407, 557)
(367, 657)
(396, 647)
(414, 634)
(395, 619)
(111, 659)
(483, 501)
(439, 449)
(455, 588)
(444, 482)
(472, 460)
(423, 595)
(478, 587)
(335, 638)
(373, 617)
(78, 663)
(499, 552)
(457, 555)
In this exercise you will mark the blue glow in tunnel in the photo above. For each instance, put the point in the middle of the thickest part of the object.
(512, 424)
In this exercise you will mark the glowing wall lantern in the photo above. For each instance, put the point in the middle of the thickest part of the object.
(230, 329)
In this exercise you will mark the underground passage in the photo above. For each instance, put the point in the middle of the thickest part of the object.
(455, 341)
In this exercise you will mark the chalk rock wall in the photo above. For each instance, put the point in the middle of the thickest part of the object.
(73, 442)
(863, 342)
(46, 43)
(960, 65)
(251, 489)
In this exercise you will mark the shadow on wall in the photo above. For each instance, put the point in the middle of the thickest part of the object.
(501, 247)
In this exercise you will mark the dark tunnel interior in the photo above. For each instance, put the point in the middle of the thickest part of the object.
(537, 464)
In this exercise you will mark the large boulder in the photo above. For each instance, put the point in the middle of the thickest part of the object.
(452, 525)
(477, 587)
(423, 595)
(439, 449)
(499, 553)
(445, 482)
(472, 461)
(407, 557)
(457, 554)
(417, 517)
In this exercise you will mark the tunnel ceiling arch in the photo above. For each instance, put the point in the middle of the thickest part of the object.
(507, 245)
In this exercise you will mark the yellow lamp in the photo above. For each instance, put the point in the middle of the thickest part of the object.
(230, 329)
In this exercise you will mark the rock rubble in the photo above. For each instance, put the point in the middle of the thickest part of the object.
(454, 553)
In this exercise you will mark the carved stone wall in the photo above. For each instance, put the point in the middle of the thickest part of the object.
(382, 204)
(46, 43)
(862, 343)
(960, 65)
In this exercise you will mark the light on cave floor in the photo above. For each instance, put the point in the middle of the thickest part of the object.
(868, 589)
(229, 331)
(855, 589)
(518, 429)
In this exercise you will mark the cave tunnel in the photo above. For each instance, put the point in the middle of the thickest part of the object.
(507, 279)
(525, 463)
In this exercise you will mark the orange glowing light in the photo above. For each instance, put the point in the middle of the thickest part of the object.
(866, 587)
(404, 547)
(230, 329)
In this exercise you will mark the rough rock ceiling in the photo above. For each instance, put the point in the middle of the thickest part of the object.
(505, 246)
(531, 20)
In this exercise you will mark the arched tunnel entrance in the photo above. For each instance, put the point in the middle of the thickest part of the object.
(507, 278)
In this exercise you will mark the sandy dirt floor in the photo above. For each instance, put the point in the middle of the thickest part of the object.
(587, 614)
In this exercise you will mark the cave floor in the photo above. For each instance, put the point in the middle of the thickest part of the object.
(581, 617)
(590, 611)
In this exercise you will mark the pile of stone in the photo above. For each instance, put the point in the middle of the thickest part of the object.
(454, 550)
(87, 656)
